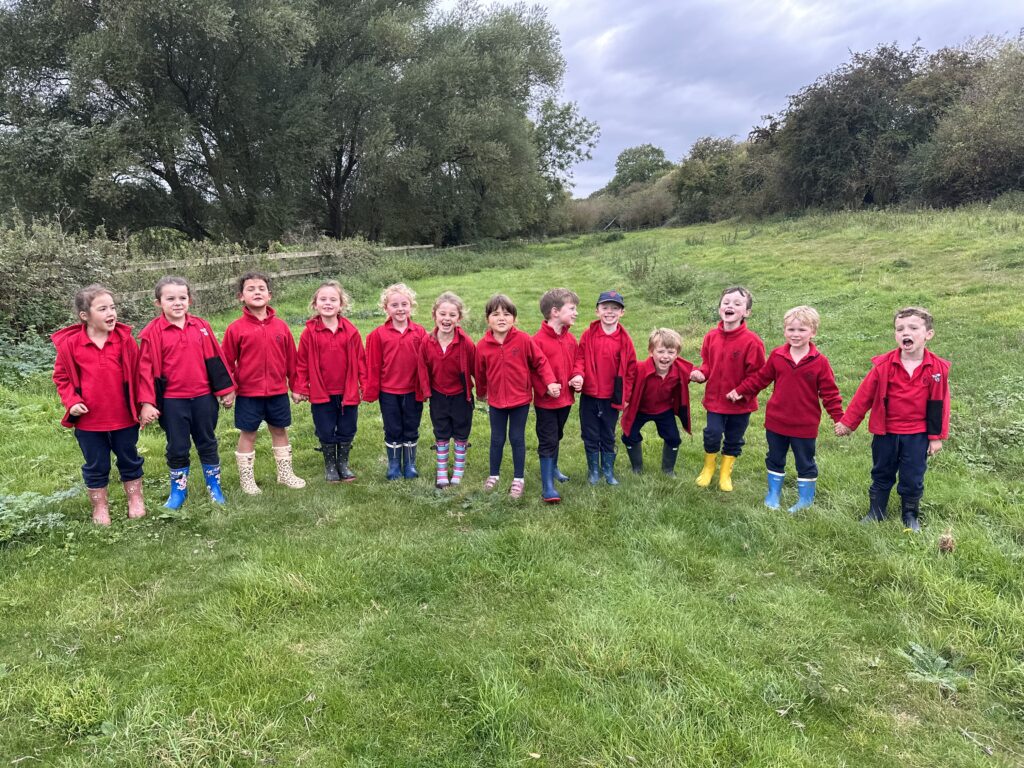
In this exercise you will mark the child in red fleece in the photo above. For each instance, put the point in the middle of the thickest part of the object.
(505, 359)
(182, 375)
(329, 370)
(558, 307)
(395, 374)
(661, 392)
(97, 359)
(802, 377)
(606, 360)
(907, 392)
(260, 352)
(450, 358)
(729, 354)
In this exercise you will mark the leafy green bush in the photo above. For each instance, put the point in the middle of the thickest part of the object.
(24, 514)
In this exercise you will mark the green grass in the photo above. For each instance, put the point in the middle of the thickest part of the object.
(383, 624)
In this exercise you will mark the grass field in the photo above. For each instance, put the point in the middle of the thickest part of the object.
(653, 624)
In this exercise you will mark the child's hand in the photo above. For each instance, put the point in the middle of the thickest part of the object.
(297, 398)
(934, 446)
(78, 409)
(734, 396)
(148, 414)
(842, 430)
(576, 382)
(554, 390)
(697, 376)
(227, 400)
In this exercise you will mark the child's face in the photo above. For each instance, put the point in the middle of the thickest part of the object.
(566, 314)
(733, 308)
(327, 302)
(255, 294)
(500, 320)
(663, 358)
(399, 307)
(174, 301)
(798, 333)
(102, 315)
(447, 317)
(912, 335)
(609, 312)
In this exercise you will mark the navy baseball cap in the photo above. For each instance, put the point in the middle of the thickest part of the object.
(612, 296)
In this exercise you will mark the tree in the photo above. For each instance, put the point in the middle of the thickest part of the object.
(637, 165)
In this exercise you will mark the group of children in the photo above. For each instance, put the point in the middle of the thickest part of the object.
(180, 375)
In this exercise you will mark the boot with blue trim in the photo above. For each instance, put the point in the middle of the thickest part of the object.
(409, 461)
(805, 489)
(394, 460)
(179, 488)
(774, 496)
(558, 474)
(211, 474)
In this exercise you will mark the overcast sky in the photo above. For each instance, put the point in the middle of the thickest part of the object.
(666, 72)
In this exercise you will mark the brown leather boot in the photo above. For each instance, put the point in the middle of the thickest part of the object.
(136, 504)
(100, 510)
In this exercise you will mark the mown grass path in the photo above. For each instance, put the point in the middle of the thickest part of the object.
(383, 624)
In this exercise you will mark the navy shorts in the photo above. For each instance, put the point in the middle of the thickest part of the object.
(276, 410)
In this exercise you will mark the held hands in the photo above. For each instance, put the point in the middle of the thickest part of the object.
(734, 396)
(842, 430)
(697, 376)
(576, 382)
(297, 398)
(554, 390)
(147, 415)
(227, 400)
(78, 409)
(934, 446)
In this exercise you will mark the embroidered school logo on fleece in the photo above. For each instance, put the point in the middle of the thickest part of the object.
(203, 331)
(936, 377)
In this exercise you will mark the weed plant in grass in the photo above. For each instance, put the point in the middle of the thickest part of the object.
(653, 624)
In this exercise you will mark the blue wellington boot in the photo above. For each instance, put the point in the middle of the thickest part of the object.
(772, 500)
(805, 489)
(548, 491)
(409, 461)
(394, 460)
(593, 468)
(608, 468)
(211, 474)
(179, 488)
(557, 474)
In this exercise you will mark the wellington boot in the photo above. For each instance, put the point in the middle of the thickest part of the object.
(344, 472)
(593, 468)
(636, 458)
(330, 452)
(805, 488)
(285, 474)
(179, 488)
(911, 509)
(725, 475)
(877, 504)
(100, 508)
(461, 448)
(704, 478)
(136, 504)
(441, 450)
(668, 459)
(548, 492)
(558, 475)
(246, 475)
(409, 461)
(608, 468)
(211, 474)
(773, 498)
(394, 460)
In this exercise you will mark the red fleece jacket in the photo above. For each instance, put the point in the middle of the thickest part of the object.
(681, 400)
(71, 366)
(186, 358)
(727, 358)
(450, 371)
(394, 363)
(311, 362)
(607, 363)
(260, 354)
(504, 369)
(560, 350)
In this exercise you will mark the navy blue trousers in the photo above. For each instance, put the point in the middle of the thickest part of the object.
(96, 449)
(550, 428)
(803, 454)
(187, 420)
(597, 424)
(514, 421)
(731, 427)
(401, 414)
(665, 421)
(902, 455)
(451, 416)
(334, 422)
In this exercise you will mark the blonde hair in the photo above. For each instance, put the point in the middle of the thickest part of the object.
(346, 300)
(400, 288)
(665, 337)
(449, 298)
(920, 312)
(805, 314)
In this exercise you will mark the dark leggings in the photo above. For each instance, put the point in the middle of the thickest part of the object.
(512, 420)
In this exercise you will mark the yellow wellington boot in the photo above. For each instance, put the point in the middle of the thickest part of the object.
(725, 477)
(704, 478)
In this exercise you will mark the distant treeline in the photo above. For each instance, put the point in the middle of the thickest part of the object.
(889, 127)
(247, 120)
